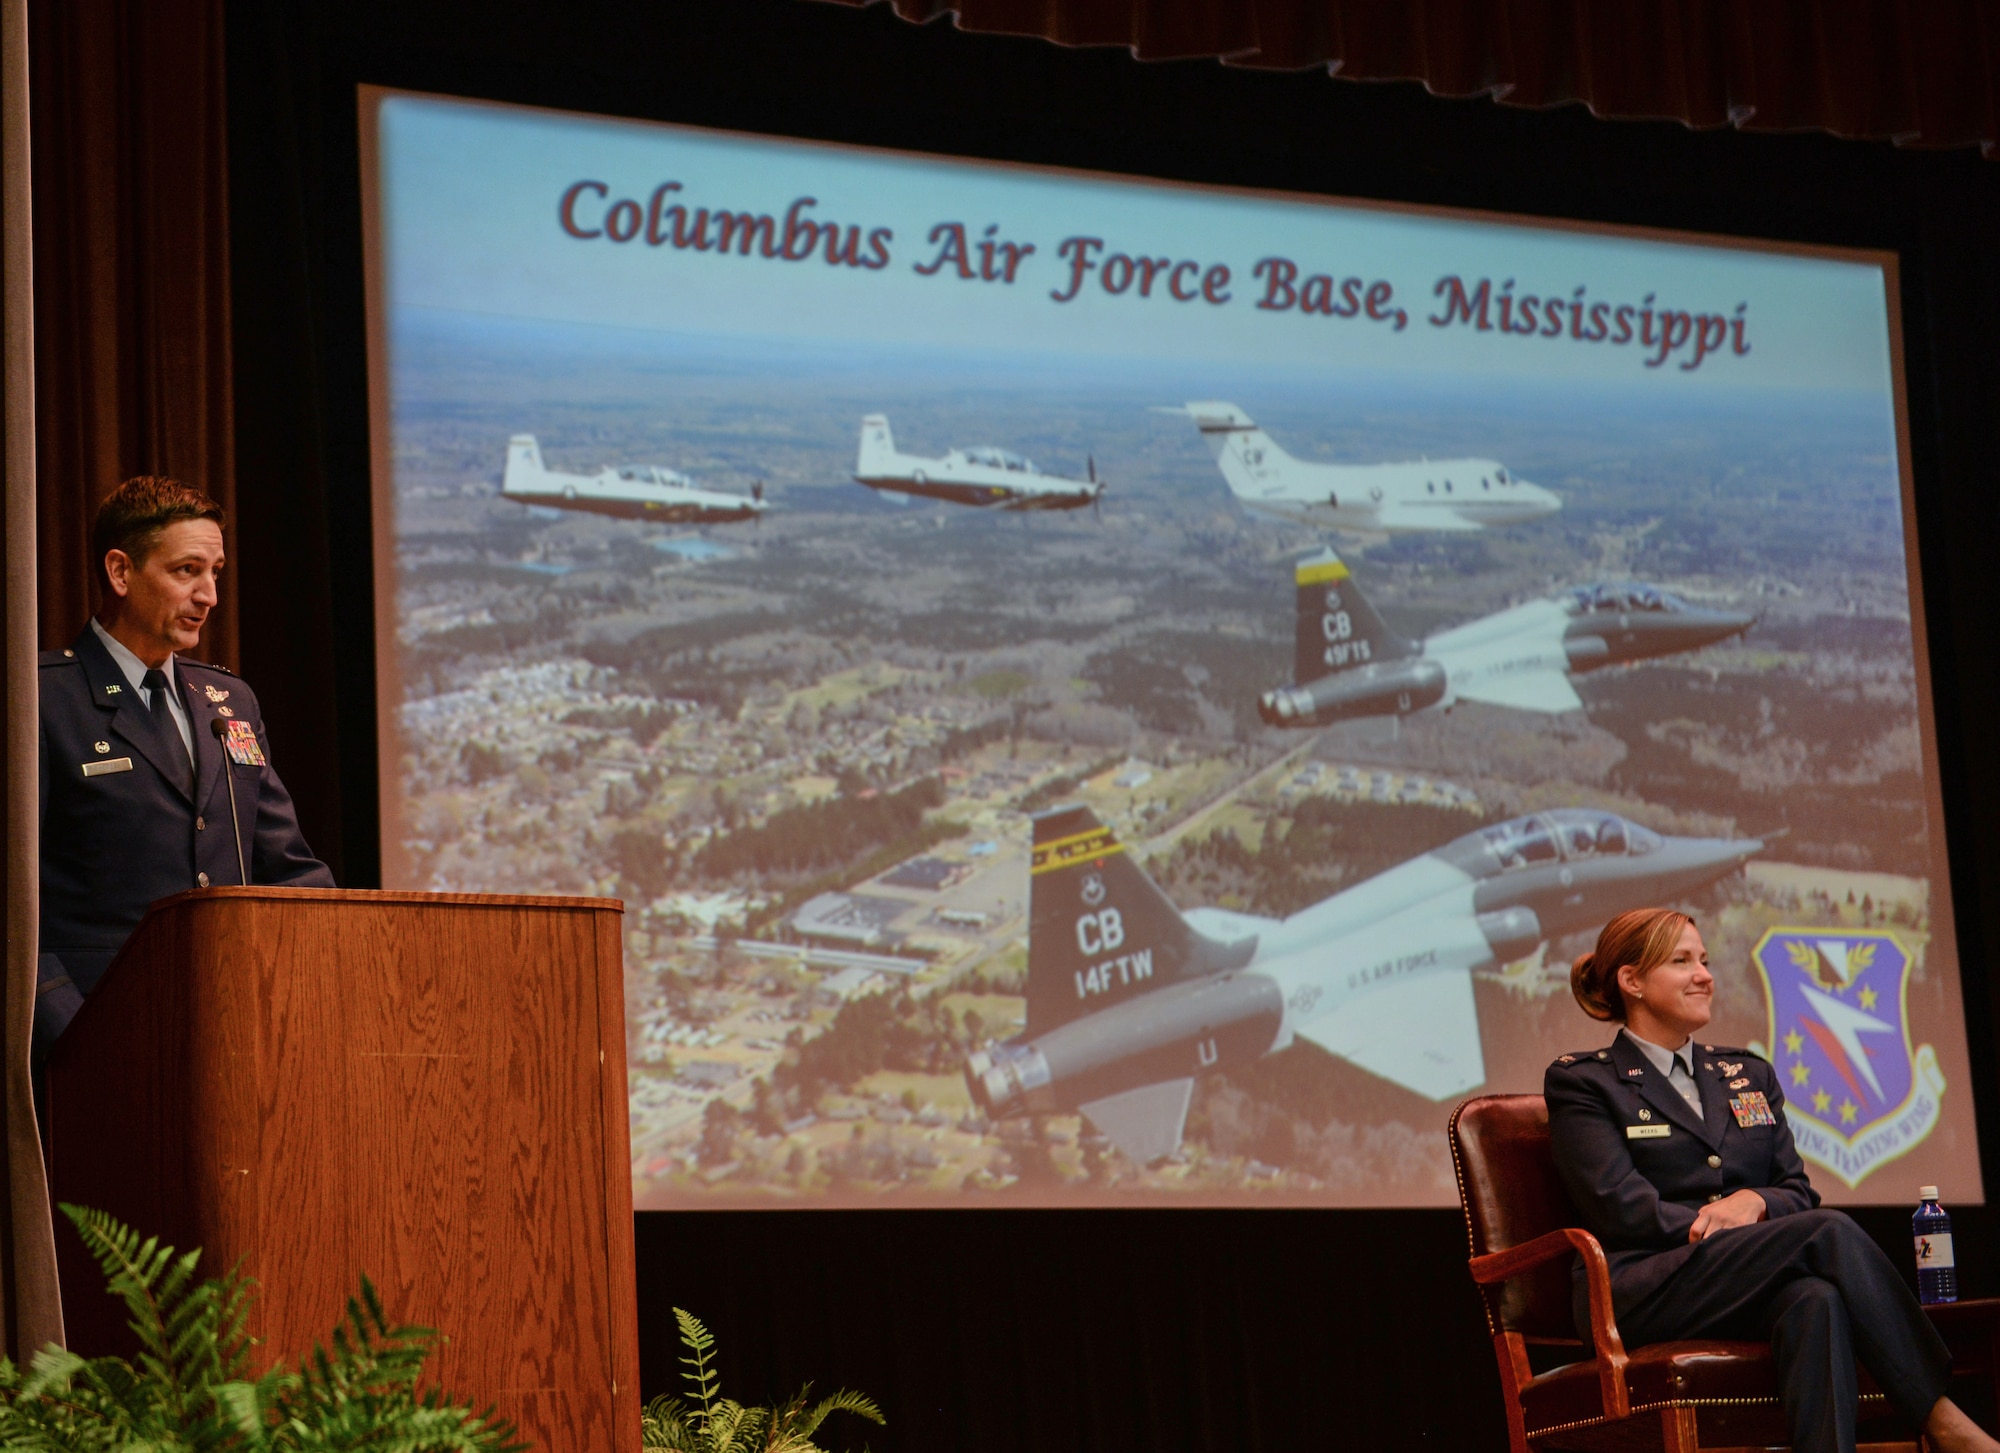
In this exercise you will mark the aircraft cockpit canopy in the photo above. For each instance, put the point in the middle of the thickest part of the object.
(1623, 598)
(991, 458)
(1566, 835)
(651, 474)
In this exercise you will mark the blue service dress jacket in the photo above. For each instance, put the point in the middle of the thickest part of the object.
(1639, 1163)
(117, 832)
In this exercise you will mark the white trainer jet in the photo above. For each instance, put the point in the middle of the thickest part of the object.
(625, 492)
(1373, 499)
(1130, 999)
(982, 476)
(1347, 663)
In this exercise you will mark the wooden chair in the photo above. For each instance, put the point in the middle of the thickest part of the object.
(1681, 1397)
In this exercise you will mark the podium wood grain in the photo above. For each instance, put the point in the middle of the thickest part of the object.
(426, 1087)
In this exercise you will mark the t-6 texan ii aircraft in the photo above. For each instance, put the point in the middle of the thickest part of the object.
(1129, 999)
(1370, 499)
(1349, 664)
(625, 492)
(982, 475)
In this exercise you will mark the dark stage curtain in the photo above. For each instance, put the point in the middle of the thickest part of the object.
(1100, 1332)
(1918, 74)
(30, 1305)
(131, 257)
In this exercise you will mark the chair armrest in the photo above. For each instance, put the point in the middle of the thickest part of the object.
(1502, 1265)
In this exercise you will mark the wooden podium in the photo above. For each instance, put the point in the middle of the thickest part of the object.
(426, 1087)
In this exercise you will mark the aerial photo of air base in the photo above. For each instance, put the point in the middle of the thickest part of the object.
(1118, 829)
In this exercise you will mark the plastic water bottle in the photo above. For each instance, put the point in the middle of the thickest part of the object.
(1937, 1273)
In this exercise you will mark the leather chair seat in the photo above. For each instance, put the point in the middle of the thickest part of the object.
(1695, 1371)
(1666, 1372)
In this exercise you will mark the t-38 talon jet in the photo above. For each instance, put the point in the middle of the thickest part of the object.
(627, 492)
(1371, 499)
(1349, 664)
(1129, 999)
(982, 476)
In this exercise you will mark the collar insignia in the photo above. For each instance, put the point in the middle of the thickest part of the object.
(1635, 1073)
(113, 689)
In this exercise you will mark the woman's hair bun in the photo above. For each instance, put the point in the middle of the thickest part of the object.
(1592, 988)
(1642, 937)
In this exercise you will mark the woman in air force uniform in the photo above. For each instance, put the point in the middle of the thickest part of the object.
(1679, 1160)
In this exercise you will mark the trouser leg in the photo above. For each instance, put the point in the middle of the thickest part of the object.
(1810, 1343)
(1729, 1282)
(1894, 1338)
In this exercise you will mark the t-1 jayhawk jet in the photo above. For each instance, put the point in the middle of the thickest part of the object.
(982, 475)
(1130, 999)
(1349, 664)
(625, 492)
(1371, 499)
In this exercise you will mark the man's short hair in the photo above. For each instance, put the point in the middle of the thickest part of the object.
(133, 516)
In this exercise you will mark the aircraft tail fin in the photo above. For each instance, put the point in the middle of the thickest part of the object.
(1250, 460)
(1338, 627)
(1099, 930)
(524, 464)
(878, 447)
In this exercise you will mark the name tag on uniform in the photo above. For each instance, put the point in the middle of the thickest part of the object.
(106, 768)
(1648, 1132)
(241, 744)
(1751, 1108)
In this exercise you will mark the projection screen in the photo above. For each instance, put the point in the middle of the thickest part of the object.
(1101, 692)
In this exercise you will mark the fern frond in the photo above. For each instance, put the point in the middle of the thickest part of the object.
(665, 1425)
(703, 1376)
(731, 1427)
(793, 1426)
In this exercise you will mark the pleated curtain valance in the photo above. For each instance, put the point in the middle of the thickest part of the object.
(1913, 72)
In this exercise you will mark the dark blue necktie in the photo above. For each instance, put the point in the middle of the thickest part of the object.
(167, 733)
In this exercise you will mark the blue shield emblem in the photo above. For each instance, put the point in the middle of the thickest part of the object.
(1857, 1094)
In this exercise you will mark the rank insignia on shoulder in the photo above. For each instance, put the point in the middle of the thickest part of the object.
(1648, 1132)
(1738, 1084)
(1751, 1108)
(1604, 1054)
(214, 695)
(1565, 1059)
(242, 746)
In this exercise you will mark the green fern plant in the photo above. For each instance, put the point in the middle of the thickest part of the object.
(708, 1422)
(188, 1393)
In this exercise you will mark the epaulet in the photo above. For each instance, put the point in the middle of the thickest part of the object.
(64, 657)
(1732, 1052)
(208, 666)
(1582, 1054)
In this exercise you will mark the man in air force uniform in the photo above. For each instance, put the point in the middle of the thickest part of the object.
(135, 744)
